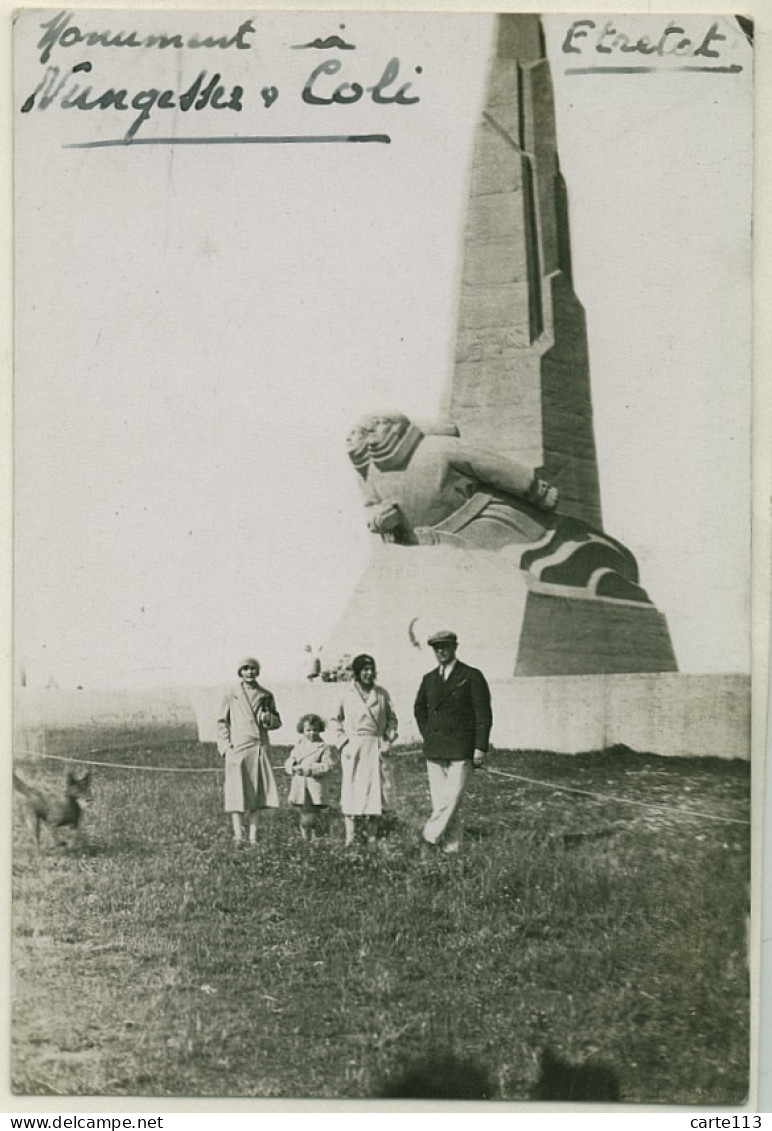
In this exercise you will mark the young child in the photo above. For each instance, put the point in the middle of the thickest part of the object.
(308, 763)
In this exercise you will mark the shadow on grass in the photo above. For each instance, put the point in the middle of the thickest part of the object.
(561, 1080)
(439, 1077)
(444, 1076)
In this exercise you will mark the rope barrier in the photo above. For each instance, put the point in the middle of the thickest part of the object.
(107, 749)
(72, 753)
(623, 800)
(489, 769)
(127, 765)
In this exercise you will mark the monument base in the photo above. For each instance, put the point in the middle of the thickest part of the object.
(507, 623)
(564, 634)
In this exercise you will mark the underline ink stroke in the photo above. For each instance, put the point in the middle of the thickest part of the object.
(292, 139)
(734, 69)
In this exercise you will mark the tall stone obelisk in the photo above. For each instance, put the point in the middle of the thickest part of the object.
(530, 591)
(520, 383)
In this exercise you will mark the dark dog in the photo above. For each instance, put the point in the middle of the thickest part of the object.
(56, 812)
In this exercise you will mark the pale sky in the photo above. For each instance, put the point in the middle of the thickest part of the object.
(198, 326)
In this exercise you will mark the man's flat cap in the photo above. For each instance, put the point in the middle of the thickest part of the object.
(442, 638)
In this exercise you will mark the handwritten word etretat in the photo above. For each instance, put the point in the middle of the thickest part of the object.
(584, 37)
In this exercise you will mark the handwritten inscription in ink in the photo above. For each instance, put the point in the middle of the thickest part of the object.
(60, 31)
(382, 92)
(78, 87)
(202, 94)
(584, 35)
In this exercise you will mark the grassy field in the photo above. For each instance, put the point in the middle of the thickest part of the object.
(157, 960)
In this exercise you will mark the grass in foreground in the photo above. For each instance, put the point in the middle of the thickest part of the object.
(158, 960)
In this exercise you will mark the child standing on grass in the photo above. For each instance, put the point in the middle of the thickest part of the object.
(308, 763)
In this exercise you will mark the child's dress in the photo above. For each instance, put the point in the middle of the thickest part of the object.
(309, 792)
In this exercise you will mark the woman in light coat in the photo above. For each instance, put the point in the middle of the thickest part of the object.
(363, 729)
(247, 713)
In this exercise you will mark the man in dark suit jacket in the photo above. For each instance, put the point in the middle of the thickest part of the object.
(453, 712)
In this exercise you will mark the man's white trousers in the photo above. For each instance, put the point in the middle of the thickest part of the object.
(447, 782)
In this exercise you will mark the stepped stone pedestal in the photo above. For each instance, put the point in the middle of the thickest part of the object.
(507, 624)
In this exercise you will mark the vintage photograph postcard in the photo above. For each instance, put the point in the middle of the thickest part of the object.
(382, 556)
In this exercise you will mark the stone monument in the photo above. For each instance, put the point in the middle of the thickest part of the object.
(489, 519)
